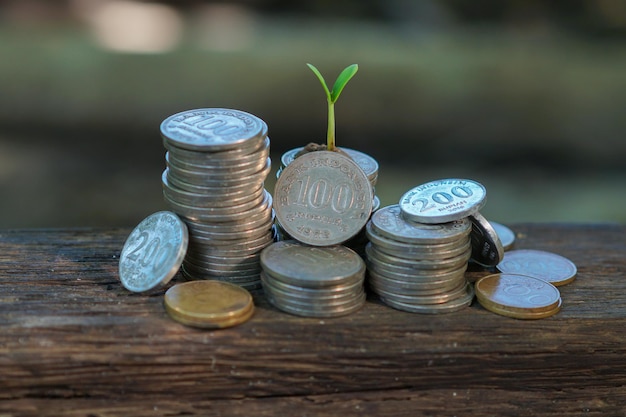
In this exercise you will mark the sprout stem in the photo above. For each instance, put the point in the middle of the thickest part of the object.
(330, 136)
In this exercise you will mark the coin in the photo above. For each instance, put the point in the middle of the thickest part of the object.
(442, 308)
(323, 198)
(506, 235)
(153, 252)
(443, 200)
(214, 129)
(518, 296)
(310, 266)
(209, 304)
(363, 160)
(389, 222)
(487, 249)
(547, 266)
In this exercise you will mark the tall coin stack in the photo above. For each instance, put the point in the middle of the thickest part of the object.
(369, 167)
(217, 162)
(418, 267)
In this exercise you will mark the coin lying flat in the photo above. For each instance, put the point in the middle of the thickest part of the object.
(153, 252)
(209, 304)
(487, 250)
(443, 200)
(547, 266)
(518, 296)
(323, 198)
(215, 129)
(506, 235)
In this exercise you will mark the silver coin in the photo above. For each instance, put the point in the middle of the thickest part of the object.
(313, 296)
(256, 220)
(447, 307)
(506, 235)
(443, 200)
(219, 213)
(389, 222)
(153, 252)
(547, 266)
(220, 159)
(487, 249)
(339, 290)
(363, 160)
(323, 198)
(229, 180)
(219, 190)
(313, 311)
(311, 267)
(375, 254)
(402, 286)
(252, 163)
(212, 129)
(426, 299)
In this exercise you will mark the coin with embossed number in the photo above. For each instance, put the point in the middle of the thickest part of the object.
(153, 252)
(443, 200)
(322, 198)
(547, 266)
(214, 129)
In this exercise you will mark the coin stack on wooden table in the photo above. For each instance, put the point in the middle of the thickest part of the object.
(419, 249)
(313, 281)
(369, 166)
(217, 162)
(322, 199)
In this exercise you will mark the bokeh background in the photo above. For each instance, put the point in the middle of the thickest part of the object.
(527, 97)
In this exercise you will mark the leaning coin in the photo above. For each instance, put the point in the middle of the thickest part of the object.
(209, 304)
(153, 252)
(506, 235)
(443, 200)
(547, 266)
(323, 198)
(487, 250)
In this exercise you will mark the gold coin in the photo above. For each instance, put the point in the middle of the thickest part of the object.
(522, 315)
(209, 304)
(517, 295)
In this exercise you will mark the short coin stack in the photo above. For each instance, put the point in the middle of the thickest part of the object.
(313, 281)
(418, 267)
(217, 162)
(369, 166)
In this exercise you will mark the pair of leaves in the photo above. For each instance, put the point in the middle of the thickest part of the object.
(340, 83)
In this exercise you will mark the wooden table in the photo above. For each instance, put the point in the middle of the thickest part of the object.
(74, 342)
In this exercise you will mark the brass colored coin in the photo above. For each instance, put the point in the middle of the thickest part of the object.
(517, 294)
(550, 267)
(521, 314)
(209, 304)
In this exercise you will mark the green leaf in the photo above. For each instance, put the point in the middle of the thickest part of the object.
(342, 80)
(322, 81)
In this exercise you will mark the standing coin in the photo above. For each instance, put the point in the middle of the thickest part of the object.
(506, 235)
(323, 198)
(443, 200)
(487, 249)
(547, 266)
(153, 252)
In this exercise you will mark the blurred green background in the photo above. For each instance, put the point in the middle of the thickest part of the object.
(527, 97)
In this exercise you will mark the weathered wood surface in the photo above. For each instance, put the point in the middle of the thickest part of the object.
(74, 342)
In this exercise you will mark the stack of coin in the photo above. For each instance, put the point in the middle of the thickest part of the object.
(313, 281)
(217, 162)
(418, 267)
(369, 166)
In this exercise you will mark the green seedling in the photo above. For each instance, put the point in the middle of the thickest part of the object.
(332, 96)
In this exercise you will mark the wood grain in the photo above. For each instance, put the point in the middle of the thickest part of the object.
(75, 342)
